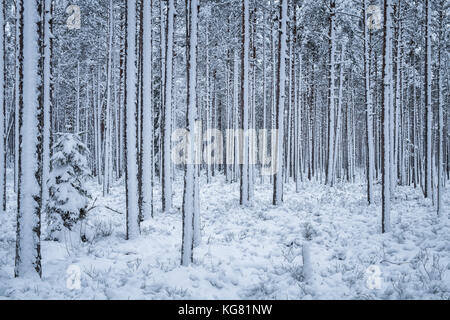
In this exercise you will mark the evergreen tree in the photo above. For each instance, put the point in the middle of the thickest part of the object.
(68, 196)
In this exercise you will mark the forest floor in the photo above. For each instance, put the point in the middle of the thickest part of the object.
(249, 253)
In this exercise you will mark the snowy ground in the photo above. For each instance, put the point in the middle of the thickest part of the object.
(249, 253)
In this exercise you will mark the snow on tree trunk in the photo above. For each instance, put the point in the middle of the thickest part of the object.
(428, 103)
(2, 107)
(440, 114)
(86, 113)
(208, 104)
(288, 140)
(252, 125)
(244, 187)
(28, 247)
(131, 166)
(167, 117)
(274, 88)
(228, 110)
(299, 134)
(398, 98)
(147, 114)
(385, 117)
(95, 130)
(393, 179)
(197, 226)
(77, 111)
(264, 103)
(331, 94)
(369, 112)
(98, 132)
(339, 115)
(107, 121)
(236, 142)
(17, 49)
(190, 189)
(162, 46)
(47, 101)
(280, 105)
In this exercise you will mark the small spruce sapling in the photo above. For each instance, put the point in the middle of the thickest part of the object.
(68, 196)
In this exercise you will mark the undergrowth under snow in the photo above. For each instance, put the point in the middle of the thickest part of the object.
(249, 253)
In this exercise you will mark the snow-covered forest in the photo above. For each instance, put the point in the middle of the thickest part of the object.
(225, 149)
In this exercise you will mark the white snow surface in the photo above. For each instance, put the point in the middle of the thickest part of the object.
(248, 252)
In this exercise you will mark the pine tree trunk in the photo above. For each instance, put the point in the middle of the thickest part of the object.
(47, 135)
(281, 79)
(147, 114)
(77, 110)
(98, 133)
(369, 110)
(339, 117)
(107, 122)
(28, 248)
(244, 163)
(428, 104)
(331, 94)
(385, 117)
(2, 108)
(236, 142)
(131, 166)
(167, 117)
(189, 197)
(440, 114)
(17, 49)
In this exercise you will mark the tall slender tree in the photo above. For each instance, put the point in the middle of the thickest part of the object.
(331, 93)
(107, 121)
(280, 105)
(441, 141)
(428, 103)
(369, 107)
(167, 117)
(2, 108)
(385, 117)
(189, 196)
(147, 114)
(29, 201)
(132, 196)
(17, 49)
(244, 161)
(47, 135)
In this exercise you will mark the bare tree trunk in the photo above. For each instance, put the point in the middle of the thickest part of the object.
(428, 104)
(131, 172)
(440, 113)
(385, 117)
(244, 190)
(17, 93)
(28, 248)
(189, 195)
(281, 79)
(331, 94)
(167, 117)
(2, 108)
(369, 112)
(107, 122)
(147, 114)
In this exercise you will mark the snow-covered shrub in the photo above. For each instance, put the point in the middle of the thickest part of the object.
(68, 196)
(431, 272)
(309, 231)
